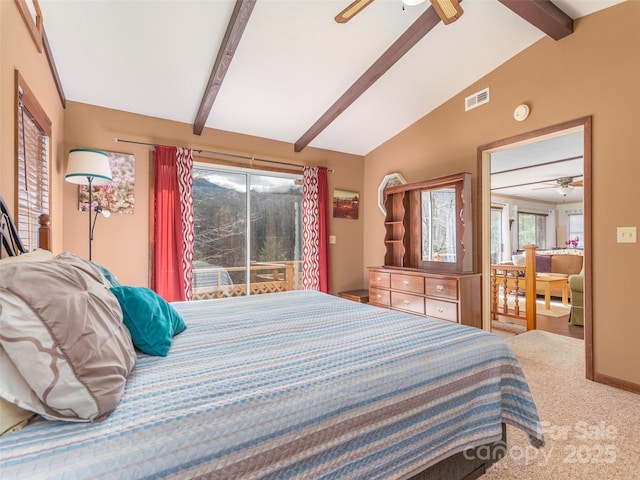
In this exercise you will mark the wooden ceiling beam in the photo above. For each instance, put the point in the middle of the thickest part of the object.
(395, 52)
(235, 29)
(52, 67)
(543, 15)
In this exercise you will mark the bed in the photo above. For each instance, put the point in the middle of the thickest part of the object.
(297, 385)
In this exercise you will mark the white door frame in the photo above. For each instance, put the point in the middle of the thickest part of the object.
(484, 197)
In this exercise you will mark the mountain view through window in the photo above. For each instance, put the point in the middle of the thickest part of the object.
(248, 232)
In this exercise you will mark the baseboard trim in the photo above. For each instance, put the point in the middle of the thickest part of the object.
(616, 382)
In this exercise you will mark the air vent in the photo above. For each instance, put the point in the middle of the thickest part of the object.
(477, 99)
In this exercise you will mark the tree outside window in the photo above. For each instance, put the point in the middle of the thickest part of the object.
(248, 231)
(532, 229)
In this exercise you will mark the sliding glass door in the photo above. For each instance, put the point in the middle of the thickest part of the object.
(248, 231)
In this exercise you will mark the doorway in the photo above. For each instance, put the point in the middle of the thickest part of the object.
(581, 127)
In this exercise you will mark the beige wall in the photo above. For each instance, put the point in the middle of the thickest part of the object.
(121, 241)
(18, 52)
(595, 71)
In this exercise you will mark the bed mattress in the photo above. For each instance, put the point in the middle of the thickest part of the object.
(294, 385)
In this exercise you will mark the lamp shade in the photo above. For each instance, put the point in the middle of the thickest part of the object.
(564, 190)
(84, 164)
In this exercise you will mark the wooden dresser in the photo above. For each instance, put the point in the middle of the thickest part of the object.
(448, 296)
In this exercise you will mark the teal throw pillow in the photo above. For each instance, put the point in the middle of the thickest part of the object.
(150, 319)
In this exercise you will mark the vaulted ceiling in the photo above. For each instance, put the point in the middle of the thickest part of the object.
(285, 69)
(534, 171)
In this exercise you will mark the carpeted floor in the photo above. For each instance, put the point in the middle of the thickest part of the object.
(592, 431)
(507, 326)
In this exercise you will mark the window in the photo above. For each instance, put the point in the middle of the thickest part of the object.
(576, 230)
(247, 231)
(532, 229)
(32, 170)
(496, 235)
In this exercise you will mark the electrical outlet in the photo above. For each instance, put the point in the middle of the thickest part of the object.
(627, 235)
(332, 239)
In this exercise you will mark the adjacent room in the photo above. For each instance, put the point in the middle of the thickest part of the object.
(537, 198)
(319, 239)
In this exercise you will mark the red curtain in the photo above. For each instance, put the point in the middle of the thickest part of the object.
(173, 245)
(315, 222)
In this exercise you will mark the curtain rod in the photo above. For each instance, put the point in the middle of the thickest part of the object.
(242, 157)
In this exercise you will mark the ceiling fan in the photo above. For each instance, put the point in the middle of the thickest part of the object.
(448, 10)
(564, 185)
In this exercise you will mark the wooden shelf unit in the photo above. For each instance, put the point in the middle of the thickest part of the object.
(396, 227)
(403, 225)
(414, 281)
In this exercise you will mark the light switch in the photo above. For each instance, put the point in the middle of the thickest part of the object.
(332, 239)
(627, 235)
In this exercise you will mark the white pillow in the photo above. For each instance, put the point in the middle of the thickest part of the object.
(519, 260)
(37, 255)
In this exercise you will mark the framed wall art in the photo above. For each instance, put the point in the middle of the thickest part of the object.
(345, 204)
(117, 196)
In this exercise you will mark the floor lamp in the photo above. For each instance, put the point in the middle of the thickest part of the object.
(91, 168)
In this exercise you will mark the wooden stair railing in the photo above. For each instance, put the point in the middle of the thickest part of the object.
(507, 278)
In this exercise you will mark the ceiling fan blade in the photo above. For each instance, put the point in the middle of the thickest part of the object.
(349, 12)
(448, 10)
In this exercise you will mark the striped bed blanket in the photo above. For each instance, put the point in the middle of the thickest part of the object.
(295, 385)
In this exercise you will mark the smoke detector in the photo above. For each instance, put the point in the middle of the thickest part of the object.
(521, 112)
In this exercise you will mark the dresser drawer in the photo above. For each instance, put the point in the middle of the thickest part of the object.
(379, 297)
(405, 301)
(407, 283)
(442, 287)
(441, 309)
(379, 279)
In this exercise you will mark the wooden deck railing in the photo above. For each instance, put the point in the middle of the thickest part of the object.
(265, 277)
(511, 280)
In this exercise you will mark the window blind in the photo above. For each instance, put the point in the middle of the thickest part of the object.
(32, 174)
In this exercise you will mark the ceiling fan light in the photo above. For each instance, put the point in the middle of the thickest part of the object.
(448, 10)
(413, 3)
(564, 190)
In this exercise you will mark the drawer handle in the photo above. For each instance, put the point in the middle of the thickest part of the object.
(378, 296)
(405, 283)
(407, 302)
(378, 279)
(439, 288)
(440, 309)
